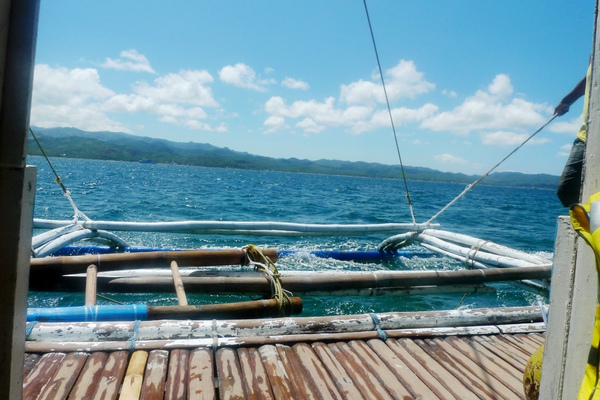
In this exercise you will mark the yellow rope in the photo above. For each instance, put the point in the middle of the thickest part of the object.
(108, 298)
(262, 263)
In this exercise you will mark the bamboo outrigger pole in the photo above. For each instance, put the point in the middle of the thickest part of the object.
(181, 298)
(90, 285)
(119, 261)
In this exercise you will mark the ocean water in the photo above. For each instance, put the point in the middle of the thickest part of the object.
(523, 219)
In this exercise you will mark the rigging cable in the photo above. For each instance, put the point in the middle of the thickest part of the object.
(59, 181)
(390, 114)
(469, 187)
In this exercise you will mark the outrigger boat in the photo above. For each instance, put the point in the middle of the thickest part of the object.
(446, 354)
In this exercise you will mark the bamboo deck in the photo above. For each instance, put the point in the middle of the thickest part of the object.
(450, 367)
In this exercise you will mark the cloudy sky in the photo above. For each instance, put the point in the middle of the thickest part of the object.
(467, 81)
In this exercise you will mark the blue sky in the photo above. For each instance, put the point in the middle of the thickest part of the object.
(467, 80)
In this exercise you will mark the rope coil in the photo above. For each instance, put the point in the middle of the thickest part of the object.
(262, 263)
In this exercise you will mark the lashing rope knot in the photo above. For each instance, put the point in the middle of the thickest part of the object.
(262, 263)
(381, 332)
(470, 257)
(134, 335)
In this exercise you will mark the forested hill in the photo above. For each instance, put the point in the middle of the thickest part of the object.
(74, 143)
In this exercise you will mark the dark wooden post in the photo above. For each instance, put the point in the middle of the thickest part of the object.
(18, 30)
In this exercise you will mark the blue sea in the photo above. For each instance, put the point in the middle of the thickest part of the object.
(523, 219)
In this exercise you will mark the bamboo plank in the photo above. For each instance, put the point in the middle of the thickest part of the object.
(502, 346)
(231, 386)
(509, 376)
(112, 376)
(153, 387)
(527, 340)
(430, 371)
(454, 368)
(506, 356)
(468, 366)
(177, 377)
(256, 380)
(88, 379)
(521, 341)
(302, 383)
(503, 361)
(41, 374)
(29, 363)
(62, 382)
(369, 385)
(201, 383)
(343, 381)
(314, 368)
(537, 337)
(396, 376)
(132, 384)
(526, 348)
(278, 376)
(503, 342)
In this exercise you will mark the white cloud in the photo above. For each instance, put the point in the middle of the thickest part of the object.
(76, 97)
(129, 60)
(314, 115)
(184, 87)
(570, 127)
(565, 150)
(401, 81)
(68, 85)
(449, 93)
(70, 97)
(292, 83)
(501, 86)
(274, 123)
(308, 125)
(176, 98)
(402, 116)
(243, 76)
(359, 114)
(509, 139)
(492, 109)
(449, 159)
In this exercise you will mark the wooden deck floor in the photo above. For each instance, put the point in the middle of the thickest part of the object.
(466, 367)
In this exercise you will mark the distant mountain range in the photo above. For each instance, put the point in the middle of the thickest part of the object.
(74, 143)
